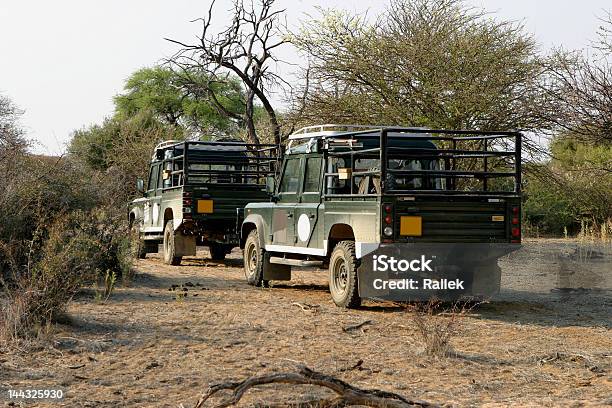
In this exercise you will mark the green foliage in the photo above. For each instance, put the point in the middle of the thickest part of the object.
(96, 145)
(547, 209)
(180, 99)
(574, 188)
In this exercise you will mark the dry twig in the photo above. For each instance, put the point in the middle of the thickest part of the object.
(306, 307)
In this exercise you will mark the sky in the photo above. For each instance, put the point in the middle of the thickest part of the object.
(62, 61)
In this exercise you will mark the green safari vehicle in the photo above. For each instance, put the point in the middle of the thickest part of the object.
(195, 195)
(343, 191)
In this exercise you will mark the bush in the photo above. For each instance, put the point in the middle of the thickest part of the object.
(547, 210)
(78, 249)
(570, 191)
(436, 326)
(63, 226)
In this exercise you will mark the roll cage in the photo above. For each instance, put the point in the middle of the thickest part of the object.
(452, 162)
(221, 163)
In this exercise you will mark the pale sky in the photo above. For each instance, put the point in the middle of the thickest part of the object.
(62, 61)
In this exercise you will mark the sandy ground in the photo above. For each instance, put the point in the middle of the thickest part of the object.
(546, 340)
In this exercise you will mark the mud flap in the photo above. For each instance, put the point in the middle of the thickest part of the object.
(275, 271)
(184, 245)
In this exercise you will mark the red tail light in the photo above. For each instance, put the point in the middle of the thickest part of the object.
(187, 202)
(516, 232)
(387, 226)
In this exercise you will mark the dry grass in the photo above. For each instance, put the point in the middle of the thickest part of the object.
(590, 232)
(143, 348)
(437, 324)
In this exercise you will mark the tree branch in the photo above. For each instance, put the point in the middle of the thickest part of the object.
(347, 394)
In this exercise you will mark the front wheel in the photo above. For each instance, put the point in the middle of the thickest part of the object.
(253, 257)
(170, 257)
(343, 275)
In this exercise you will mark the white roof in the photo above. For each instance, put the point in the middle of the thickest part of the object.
(331, 129)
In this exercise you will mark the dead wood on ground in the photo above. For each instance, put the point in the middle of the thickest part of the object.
(347, 395)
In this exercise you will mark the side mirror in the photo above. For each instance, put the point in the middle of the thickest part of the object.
(270, 184)
(140, 185)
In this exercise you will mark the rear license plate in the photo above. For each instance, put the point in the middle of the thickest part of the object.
(411, 226)
(205, 206)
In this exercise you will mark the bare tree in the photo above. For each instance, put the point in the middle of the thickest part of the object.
(581, 87)
(11, 136)
(245, 49)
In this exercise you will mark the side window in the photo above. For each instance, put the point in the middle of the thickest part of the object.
(291, 177)
(161, 181)
(312, 175)
(153, 175)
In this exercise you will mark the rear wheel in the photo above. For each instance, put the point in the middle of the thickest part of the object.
(218, 251)
(170, 257)
(253, 256)
(343, 275)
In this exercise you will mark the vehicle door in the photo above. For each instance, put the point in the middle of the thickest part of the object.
(150, 219)
(308, 229)
(283, 214)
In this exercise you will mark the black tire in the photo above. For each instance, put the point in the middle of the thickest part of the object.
(343, 275)
(218, 251)
(138, 244)
(169, 250)
(253, 257)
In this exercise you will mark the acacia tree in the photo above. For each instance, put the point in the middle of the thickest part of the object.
(244, 49)
(166, 95)
(432, 63)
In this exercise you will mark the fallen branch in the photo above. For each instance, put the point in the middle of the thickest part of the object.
(356, 326)
(347, 394)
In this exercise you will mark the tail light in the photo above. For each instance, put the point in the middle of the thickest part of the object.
(387, 226)
(187, 203)
(516, 225)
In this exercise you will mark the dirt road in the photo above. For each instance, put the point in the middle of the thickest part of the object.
(545, 341)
